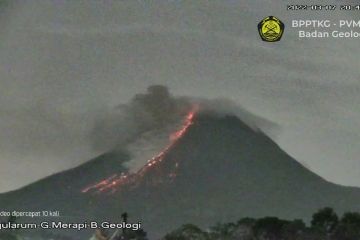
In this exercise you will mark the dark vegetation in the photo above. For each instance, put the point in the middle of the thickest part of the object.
(325, 225)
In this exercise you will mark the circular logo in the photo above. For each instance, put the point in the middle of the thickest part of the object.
(271, 29)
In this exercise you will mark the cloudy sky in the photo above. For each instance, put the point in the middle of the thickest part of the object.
(64, 64)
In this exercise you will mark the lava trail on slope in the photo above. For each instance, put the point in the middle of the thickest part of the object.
(116, 181)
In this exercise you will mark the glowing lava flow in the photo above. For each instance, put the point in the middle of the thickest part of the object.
(112, 183)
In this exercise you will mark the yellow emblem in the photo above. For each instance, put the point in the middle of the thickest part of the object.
(271, 29)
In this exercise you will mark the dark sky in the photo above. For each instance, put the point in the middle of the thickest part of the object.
(64, 64)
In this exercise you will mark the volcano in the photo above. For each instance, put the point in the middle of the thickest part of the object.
(215, 169)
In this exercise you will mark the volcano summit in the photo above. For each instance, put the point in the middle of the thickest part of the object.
(215, 169)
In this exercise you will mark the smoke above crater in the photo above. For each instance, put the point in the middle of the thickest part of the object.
(145, 124)
(153, 110)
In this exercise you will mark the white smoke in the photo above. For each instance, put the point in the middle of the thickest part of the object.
(143, 126)
(154, 110)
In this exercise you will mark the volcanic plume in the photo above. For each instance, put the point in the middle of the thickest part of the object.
(116, 181)
(216, 167)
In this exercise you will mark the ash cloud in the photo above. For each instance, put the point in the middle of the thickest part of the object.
(158, 112)
(152, 110)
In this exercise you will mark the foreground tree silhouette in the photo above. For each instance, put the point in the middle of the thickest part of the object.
(325, 220)
(325, 225)
(294, 229)
(222, 230)
(349, 227)
(187, 232)
(270, 228)
(129, 234)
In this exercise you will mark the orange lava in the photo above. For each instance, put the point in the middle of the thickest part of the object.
(112, 183)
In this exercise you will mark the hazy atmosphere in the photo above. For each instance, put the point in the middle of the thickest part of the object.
(65, 66)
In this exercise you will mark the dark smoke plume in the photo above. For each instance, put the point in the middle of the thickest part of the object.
(157, 109)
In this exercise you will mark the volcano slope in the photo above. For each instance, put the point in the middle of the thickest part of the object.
(217, 169)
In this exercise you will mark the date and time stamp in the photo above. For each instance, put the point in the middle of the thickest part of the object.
(325, 7)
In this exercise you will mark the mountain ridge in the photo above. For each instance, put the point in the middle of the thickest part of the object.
(223, 170)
